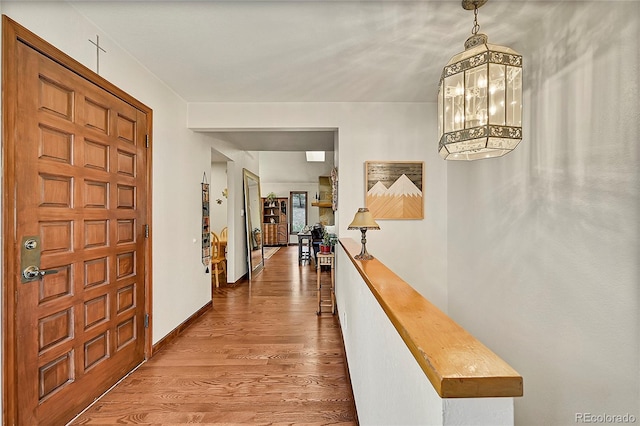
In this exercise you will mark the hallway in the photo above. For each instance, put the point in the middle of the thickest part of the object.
(260, 356)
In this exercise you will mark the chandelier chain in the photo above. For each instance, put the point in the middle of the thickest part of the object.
(476, 26)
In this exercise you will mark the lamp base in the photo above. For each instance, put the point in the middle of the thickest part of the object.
(363, 256)
(363, 251)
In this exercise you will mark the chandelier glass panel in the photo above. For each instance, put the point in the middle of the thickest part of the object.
(480, 99)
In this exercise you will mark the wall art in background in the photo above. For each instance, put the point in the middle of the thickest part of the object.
(394, 189)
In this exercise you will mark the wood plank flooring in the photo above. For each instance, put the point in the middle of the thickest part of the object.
(260, 356)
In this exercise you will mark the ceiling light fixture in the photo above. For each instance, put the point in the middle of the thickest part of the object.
(315, 156)
(480, 98)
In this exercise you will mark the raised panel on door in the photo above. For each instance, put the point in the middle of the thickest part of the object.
(81, 189)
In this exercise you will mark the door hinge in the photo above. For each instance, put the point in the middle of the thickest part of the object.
(146, 231)
(146, 320)
(147, 140)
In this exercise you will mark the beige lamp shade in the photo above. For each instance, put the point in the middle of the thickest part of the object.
(363, 220)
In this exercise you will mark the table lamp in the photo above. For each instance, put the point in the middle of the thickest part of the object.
(363, 220)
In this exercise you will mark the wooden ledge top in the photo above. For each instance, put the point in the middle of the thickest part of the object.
(456, 363)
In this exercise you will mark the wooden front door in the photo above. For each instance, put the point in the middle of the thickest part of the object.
(79, 184)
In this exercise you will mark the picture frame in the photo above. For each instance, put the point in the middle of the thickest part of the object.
(394, 189)
(206, 236)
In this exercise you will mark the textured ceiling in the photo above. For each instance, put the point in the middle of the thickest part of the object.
(304, 51)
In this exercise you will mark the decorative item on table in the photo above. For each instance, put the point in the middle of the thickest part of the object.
(328, 241)
(363, 220)
(480, 98)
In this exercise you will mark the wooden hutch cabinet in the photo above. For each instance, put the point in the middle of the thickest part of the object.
(275, 221)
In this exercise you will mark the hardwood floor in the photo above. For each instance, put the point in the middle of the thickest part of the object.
(260, 356)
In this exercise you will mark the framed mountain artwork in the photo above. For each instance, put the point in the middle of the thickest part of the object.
(394, 189)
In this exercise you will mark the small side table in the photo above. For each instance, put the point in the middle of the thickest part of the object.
(326, 259)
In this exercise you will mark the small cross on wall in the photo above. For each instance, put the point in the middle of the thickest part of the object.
(98, 49)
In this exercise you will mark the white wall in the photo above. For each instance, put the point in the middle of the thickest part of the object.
(543, 243)
(218, 182)
(285, 171)
(237, 239)
(415, 249)
(180, 157)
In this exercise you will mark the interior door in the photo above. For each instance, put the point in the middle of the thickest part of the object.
(80, 206)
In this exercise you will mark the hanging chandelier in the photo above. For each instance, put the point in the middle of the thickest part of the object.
(480, 98)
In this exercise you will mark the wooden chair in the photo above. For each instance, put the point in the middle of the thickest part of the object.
(223, 234)
(217, 258)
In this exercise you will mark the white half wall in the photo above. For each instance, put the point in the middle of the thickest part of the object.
(389, 387)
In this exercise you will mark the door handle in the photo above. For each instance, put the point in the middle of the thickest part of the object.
(30, 260)
(32, 272)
